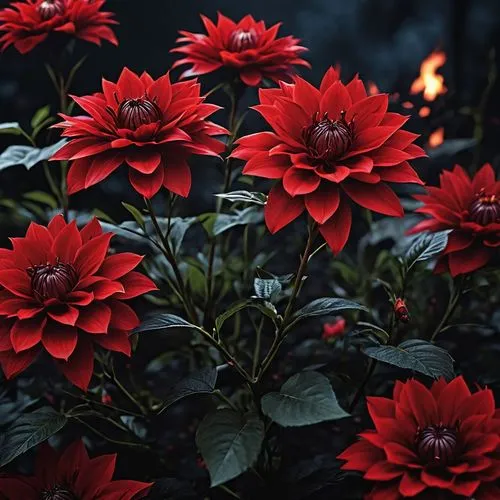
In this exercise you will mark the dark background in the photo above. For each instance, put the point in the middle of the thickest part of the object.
(384, 40)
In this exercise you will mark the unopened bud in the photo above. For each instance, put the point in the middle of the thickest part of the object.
(401, 311)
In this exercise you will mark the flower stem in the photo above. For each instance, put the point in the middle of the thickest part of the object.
(297, 285)
(455, 294)
(361, 389)
(209, 313)
(169, 255)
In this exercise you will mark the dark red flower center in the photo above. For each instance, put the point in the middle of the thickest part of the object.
(58, 493)
(52, 281)
(328, 140)
(132, 113)
(241, 40)
(49, 8)
(485, 209)
(436, 444)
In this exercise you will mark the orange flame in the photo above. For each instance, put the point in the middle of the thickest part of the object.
(372, 88)
(436, 138)
(424, 111)
(429, 82)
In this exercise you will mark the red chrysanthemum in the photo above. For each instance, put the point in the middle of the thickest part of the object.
(328, 146)
(71, 475)
(471, 209)
(153, 126)
(60, 293)
(247, 47)
(430, 443)
(28, 23)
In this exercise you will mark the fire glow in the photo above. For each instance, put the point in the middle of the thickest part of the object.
(436, 138)
(429, 82)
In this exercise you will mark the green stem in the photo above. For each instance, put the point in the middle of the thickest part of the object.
(169, 255)
(454, 299)
(281, 332)
(256, 351)
(361, 389)
(225, 399)
(209, 305)
(110, 440)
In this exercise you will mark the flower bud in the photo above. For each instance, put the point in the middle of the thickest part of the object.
(401, 311)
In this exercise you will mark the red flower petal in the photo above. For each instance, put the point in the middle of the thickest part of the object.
(60, 340)
(27, 333)
(336, 230)
(79, 367)
(323, 203)
(135, 284)
(91, 255)
(177, 176)
(147, 185)
(13, 364)
(115, 340)
(117, 265)
(377, 197)
(281, 208)
(300, 181)
(95, 318)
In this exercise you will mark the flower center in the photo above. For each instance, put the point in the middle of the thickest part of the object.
(132, 113)
(49, 8)
(242, 40)
(327, 140)
(52, 281)
(485, 209)
(58, 493)
(436, 444)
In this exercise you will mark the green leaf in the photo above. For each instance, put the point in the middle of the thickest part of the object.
(136, 214)
(417, 355)
(270, 312)
(250, 215)
(27, 155)
(229, 443)
(40, 116)
(162, 322)
(12, 128)
(244, 196)
(42, 197)
(267, 289)
(29, 430)
(178, 229)
(425, 246)
(324, 307)
(200, 382)
(306, 398)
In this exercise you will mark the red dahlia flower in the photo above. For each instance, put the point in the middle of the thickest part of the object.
(71, 475)
(430, 443)
(153, 126)
(328, 146)
(247, 47)
(28, 23)
(60, 293)
(471, 209)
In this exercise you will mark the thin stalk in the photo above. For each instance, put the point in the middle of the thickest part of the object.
(225, 399)
(209, 305)
(110, 440)
(256, 351)
(167, 252)
(454, 299)
(281, 333)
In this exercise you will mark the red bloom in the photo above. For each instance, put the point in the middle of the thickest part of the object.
(471, 209)
(401, 311)
(30, 22)
(60, 293)
(247, 47)
(71, 475)
(430, 443)
(334, 329)
(328, 146)
(153, 126)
